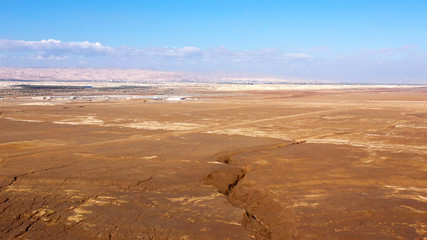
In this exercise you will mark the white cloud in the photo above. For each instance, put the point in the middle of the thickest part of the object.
(52, 57)
(301, 56)
(256, 56)
(172, 52)
(45, 57)
(55, 46)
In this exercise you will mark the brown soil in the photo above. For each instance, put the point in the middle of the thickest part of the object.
(318, 164)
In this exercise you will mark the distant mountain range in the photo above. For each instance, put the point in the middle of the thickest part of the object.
(134, 75)
(87, 74)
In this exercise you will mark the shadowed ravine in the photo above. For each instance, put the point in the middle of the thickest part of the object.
(265, 217)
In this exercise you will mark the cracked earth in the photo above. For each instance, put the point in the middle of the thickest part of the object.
(285, 164)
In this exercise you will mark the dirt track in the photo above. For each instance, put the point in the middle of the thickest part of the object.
(326, 164)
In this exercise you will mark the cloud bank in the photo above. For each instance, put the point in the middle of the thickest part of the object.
(406, 64)
(55, 46)
(58, 49)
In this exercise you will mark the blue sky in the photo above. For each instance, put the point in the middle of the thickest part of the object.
(348, 41)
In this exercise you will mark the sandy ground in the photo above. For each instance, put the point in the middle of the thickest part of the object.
(254, 164)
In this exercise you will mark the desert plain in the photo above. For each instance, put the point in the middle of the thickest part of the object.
(214, 162)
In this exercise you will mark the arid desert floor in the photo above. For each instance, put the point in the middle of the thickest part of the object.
(214, 164)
